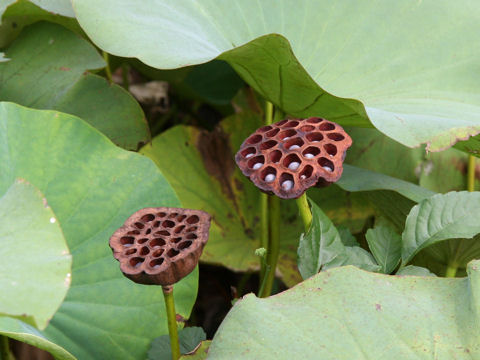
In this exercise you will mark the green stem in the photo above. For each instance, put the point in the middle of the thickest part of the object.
(451, 270)
(107, 68)
(264, 229)
(471, 173)
(274, 244)
(305, 211)
(172, 321)
(264, 200)
(5, 353)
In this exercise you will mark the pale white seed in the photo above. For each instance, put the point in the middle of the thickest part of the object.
(287, 185)
(248, 156)
(286, 138)
(303, 177)
(257, 166)
(330, 155)
(269, 178)
(327, 168)
(293, 147)
(309, 156)
(294, 165)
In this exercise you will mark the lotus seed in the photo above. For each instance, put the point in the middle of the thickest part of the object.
(293, 147)
(257, 166)
(286, 138)
(309, 156)
(269, 178)
(293, 165)
(248, 156)
(327, 168)
(287, 185)
(303, 177)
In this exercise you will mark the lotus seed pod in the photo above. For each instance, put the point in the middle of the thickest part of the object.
(160, 246)
(290, 156)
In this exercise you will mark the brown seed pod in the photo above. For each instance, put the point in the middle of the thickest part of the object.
(292, 155)
(160, 246)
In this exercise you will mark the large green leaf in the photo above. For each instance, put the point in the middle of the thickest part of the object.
(21, 331)
(440, 217)
(189, 338)
(54, 77)
(92, 186)
(36, 262)
(410, 66)
(347, 313)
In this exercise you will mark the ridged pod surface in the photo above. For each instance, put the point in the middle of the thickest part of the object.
(160, 246)
(292, 155)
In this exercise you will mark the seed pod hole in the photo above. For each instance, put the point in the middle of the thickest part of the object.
(326, 126)
(161, 214)
(275, 156)
(280, 123)
(268, 144)
(148, 231)
(191, 236)
(181, 218)
(144, 251)
(190, 229)
(292, 162)
(310, 152)
(254, 139)
(268, 174)
(127, 241)
(147, 218)
(184, 245)
(193, 219)
(272, 133)
(336, 136)
(172, 253)
(156, 263)
(168, 224)
(306, 172)
(307, 128)
(158, 252)
(286, 134)
(326, 164)
(136, 262)
(172, 215)
(176, 240)
(314, 120)
(130, 252)
(286, 182)
(162, 233)
(179, 229)
(330, 149)
(156, 224)
(157, 242)
(142, 241)
(256, 162)
(314, 137)
(291, 123)
(133, 232)
(265, 128)
(295, 143)
(139, 225)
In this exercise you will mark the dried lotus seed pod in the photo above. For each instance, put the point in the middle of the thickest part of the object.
(160, 246)
(290, 156)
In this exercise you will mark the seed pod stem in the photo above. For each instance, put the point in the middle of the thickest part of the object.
(172, 321)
